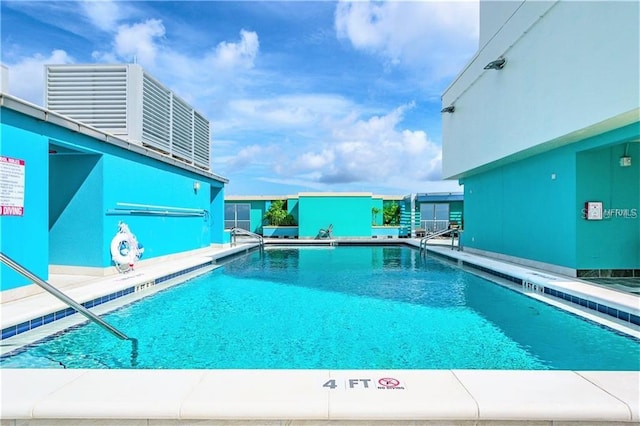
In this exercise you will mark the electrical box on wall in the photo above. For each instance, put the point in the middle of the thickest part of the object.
(625, 161)
(593, 210)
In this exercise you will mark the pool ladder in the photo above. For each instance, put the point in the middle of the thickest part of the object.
(240, 231)
(455, 232)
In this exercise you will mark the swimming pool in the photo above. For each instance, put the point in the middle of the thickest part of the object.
(339, 308)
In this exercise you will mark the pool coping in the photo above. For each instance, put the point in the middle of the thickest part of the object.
(346, 395)
(478, 396)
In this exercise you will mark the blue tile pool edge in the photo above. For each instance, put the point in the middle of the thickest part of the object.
(31, 324)
(567, 297)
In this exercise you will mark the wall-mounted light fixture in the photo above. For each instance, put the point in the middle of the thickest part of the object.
(625, 160)
(448, 109)
(196, 186)
(498, 64)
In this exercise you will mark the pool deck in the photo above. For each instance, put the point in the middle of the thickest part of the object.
(308, 397)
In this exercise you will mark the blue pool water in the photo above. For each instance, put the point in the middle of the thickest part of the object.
(339, 308)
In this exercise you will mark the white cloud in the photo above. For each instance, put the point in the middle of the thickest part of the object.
(285, 112)
(253, 155)
(233, 55)
(26, 77)
(138, 41)
(344, 149)
(352, 151)
(103, 14)
(415, 34)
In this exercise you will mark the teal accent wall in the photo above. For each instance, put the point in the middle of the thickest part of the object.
(129, 181)
(76, 210)
(25, 238)
(614, 242)
(258, 209)
(216, 216)
(292, 208)
(349, 215)
(519, 210)
(69, 194)
(532, 208)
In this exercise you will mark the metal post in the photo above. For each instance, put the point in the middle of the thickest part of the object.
(60, 295)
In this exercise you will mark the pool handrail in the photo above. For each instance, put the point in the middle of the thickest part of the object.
(241, 231)
(63, 297)
(454, 232)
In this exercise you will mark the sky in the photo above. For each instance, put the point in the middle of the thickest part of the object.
(302, 96)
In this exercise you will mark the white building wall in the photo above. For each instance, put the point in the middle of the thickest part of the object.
(572, 70)
(493, 14)
(4, 79)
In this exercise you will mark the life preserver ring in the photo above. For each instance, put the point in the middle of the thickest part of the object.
(125, 249)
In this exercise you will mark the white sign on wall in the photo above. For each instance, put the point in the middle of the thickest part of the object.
(11, 186)
(594, 210)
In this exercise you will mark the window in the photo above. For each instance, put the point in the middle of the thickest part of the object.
(434, 217)
(237, 216)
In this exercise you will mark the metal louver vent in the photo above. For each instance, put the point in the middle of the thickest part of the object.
(201, 136)
(124, 100)
(156, 115)
(95, 95)
(181, 129)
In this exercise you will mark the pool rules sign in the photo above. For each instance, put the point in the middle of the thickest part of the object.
(11, 186)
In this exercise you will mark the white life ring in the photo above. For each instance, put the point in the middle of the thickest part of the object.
(125, 249)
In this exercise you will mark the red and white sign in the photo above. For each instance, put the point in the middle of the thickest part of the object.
(11, 186)
(389, 382)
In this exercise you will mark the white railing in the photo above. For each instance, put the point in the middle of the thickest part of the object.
(429, 226)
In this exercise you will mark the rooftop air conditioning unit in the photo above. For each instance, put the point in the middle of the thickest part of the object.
(125, 101)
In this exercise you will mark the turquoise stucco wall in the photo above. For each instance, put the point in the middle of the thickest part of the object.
(532, 208)
(521, 211)
(24, 238)
(68, 195)
(258, 209)
(82, 231)
(129, 181)
(614, 242)
(349, 215)
(76, 210)
(216, 215)
(292, 208)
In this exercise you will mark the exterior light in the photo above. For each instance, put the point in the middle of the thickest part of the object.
(448, 109)
(625, 160)
(196, 186)
(498, 64)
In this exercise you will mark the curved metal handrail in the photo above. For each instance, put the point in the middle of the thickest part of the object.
(63, 297)
(454, 232)
(241, 231)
